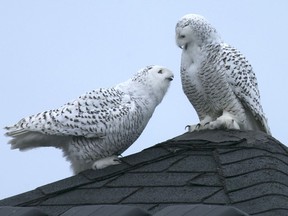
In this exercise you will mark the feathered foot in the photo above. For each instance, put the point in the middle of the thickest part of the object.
(105, 162)
(226, 121)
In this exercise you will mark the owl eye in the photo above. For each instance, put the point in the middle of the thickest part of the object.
(160, 71)
(182, 36)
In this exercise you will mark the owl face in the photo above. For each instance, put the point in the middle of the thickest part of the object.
(194, 29)
(161, 73)
(184, 36)
(154, 82)
(153, 74)
(159, 79)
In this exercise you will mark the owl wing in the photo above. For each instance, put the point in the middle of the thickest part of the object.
(90, 115)
(243, 82)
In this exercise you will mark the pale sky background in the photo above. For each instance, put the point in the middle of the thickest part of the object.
(52, 51)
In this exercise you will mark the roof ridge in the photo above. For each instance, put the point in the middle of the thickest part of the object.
(244, 169)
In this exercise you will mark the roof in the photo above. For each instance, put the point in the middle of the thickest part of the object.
(247, 170)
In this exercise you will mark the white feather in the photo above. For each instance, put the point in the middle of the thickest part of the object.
(217, 79)
(98, 124)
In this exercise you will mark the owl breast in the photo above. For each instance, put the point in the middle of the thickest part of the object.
(205, 84)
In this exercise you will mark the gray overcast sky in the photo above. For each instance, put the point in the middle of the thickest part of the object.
(53, 51)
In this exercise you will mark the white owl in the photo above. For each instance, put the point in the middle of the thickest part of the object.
(217, 79)
(99, 125)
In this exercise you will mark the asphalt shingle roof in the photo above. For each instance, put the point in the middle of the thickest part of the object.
(247, 170)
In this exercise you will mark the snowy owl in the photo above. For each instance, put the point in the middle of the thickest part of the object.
(99, 125)
(217, 79)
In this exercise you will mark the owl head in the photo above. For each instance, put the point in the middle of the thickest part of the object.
(152, 81)
(194, 29)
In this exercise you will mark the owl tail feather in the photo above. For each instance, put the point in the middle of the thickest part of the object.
(25, 139)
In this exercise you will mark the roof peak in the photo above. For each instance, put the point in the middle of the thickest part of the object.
(209, 167)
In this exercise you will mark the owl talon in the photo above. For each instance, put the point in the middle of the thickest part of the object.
(118, 160)
(191, 128)
(226, 121)
(198, 126)
(105, 162)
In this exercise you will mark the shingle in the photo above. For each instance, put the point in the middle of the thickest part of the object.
(259, 190)
(248, 153)
(195, 163)
(200, 210)
(242, 154)
(206, 179)
(106, 210)
(87, 196)
(253, 178)
(26, 197)
(20, 211)
(129, 163)
(152, 179)
(99, 183)
(282, 157)
(197, 152)
(263, 204)
(54, 210)
(254, 164)
(65, 184)
(159, 207)
(220, 197)
(231, 139)
(105, 173)
(214, 136)
(158, 166)
(146, 156)
(273, 212)
(147, 207)
(170, 195)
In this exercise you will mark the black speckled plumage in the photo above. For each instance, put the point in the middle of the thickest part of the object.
(217, 79)
(101, 123)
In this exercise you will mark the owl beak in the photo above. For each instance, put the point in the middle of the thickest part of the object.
(183, 47)
(180, 46)
(170, 78)
(177, 42)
